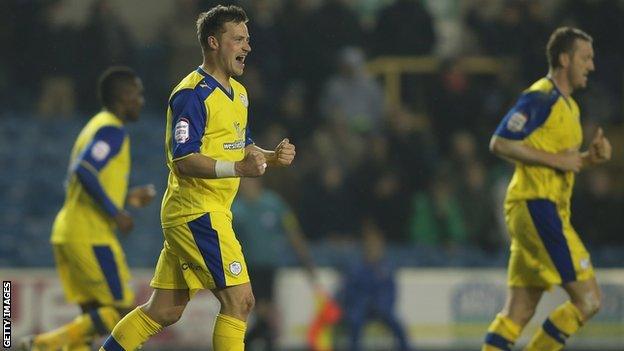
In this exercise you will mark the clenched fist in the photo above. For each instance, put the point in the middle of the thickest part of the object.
(600, 148)
(284, 153)
(253, 165)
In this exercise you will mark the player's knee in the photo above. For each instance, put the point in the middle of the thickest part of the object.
(589, 305)
(238, 305)
(248, 303)
(165, 316)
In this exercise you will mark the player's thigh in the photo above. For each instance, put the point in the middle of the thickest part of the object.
(209, 252)
(545, 249)
(94, 273)
(168, 274)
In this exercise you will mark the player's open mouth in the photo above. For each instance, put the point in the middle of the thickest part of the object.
(240, 59)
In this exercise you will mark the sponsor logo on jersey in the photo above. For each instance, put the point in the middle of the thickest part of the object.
(516, 122)
(192, 266)
(100, 150)
(238, 144)
(181, 131)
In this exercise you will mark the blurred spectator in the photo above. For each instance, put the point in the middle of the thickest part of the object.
(499, 35)
(404, 27)
(477, 205)
(57, 92)
(370, 289)
(413, 146)
(519, 30)
(472, 189)
(294, 23)
(335, 26)
(179, 35)
(379, 191)
(463, 151)
(105, 41)
(454, 103)
(602, 19)
(437, 219)
(268, 231)
(327, 212)
(266, 53)
(293, 113)
(352, 95)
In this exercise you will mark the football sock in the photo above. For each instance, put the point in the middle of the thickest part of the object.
(502, 334)
(229, 334)
(99, 320)
(563, 322)
(131, 332)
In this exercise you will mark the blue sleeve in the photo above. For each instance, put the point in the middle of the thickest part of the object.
(530, 112)
(93, 187)
(188, 123)
(248, 139)
(106, 144)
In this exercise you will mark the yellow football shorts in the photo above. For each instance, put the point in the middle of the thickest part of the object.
(545, 249)
(94, 273)
(201, 254)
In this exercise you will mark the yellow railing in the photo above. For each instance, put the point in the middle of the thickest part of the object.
(390, 68)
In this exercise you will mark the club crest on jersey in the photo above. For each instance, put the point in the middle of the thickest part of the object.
(181, 131)
(243, 99)
(235, 268)
(516, 122)
(239, 131)
(100, 150)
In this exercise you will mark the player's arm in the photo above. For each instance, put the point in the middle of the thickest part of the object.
(188, 125)
(517, 151)
(283, 155)
(105, 144)
(529, 113)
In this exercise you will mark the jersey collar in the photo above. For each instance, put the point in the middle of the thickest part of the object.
(212, 80)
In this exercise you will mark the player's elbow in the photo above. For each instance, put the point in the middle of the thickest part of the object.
(181, 168)
(495, 146)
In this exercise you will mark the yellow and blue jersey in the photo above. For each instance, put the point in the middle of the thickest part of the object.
(546, 120)
(545, 248)
(97, 182)
(203, 117)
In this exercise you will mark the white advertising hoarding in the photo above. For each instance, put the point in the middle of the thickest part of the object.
(440, 308)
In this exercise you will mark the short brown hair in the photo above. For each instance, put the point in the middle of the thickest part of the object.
(210, 23)
(562, 41)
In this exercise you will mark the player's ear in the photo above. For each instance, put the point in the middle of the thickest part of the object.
(213, 43)
(564, 59)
